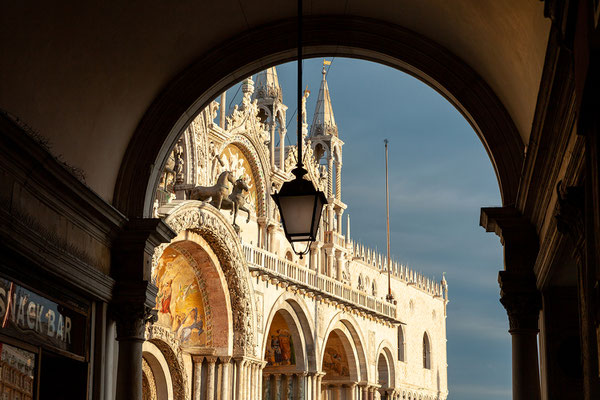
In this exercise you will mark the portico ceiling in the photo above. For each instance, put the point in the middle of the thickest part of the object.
(83, 74)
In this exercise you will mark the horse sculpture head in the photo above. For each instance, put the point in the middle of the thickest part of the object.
(241, 184)
(225, 176)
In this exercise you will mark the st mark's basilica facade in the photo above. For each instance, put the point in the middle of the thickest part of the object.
(238, 314)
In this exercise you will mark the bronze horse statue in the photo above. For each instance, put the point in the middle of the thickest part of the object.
(218, 192)
(236, 200)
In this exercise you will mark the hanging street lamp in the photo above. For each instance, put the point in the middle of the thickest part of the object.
(300, 204)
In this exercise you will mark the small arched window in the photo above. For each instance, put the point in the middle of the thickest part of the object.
(401, 344)
(426, 352)
(374, 289)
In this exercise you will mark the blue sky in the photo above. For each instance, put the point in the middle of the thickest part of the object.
(440, 176)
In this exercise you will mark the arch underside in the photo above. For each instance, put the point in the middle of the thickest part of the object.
(341, 36)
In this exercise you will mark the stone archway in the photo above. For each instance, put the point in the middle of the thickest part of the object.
(340, 365)
(340, 36)
(291, 380)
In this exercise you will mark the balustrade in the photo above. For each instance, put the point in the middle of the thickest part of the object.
(302, 276)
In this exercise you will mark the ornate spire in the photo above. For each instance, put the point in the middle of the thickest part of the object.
(267, 85)
(323, 120)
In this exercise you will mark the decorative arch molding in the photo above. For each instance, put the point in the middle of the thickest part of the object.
(298, 309)
(257, 160)
(168, 346)
(349, 326)
(337, 35)
(209, 223)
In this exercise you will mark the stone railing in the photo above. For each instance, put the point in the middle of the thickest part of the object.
(266, 263)
(335, 238)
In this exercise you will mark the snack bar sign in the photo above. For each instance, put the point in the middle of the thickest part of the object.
(30, 315)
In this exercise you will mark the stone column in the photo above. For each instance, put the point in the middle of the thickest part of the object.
(277, 394)
(339, 221)
(338, 392)
(134, 297)
(338, 181)
(519, 294)
(350, 392)
(239, 380)
(265, 386)
(131, 314)
(282, 148)
(523, 304)
(248, 381)
(210, 378)
(197, 384)
(339, 264)
(225, 380)
(365, 393)
(272, 144)
(302, 383)
(289, 383)
(329, 255)
(329, 177)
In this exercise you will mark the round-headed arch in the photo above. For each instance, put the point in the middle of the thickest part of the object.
(341, 36)
(385, 359)
(292, 312)
(346, 330)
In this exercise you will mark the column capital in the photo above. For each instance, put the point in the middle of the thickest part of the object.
(132, 308)
(211, 359)
(521, 299)
(197, 359)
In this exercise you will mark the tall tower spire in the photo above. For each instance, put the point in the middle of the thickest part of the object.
(323, 119)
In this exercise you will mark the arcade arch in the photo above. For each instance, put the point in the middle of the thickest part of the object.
(288, 349)
(337, 36)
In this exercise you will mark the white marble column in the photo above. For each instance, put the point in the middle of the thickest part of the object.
(239, 386)
(210, 378)
(225, 380)
(302, 381)
(197, 384)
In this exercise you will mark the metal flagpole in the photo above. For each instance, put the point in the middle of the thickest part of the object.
(389, 296)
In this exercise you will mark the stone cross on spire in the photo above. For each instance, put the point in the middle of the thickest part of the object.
(323, 120)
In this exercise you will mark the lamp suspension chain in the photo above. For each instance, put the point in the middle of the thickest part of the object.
(299, 143)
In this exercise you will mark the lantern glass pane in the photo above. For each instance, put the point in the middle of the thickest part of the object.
(317, 217)
(297, 214)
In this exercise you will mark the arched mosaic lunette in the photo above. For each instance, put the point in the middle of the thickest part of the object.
(257, 160)
(203, 290)
(205, 220)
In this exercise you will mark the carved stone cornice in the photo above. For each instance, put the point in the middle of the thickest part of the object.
(521, 299)
(570, 213)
